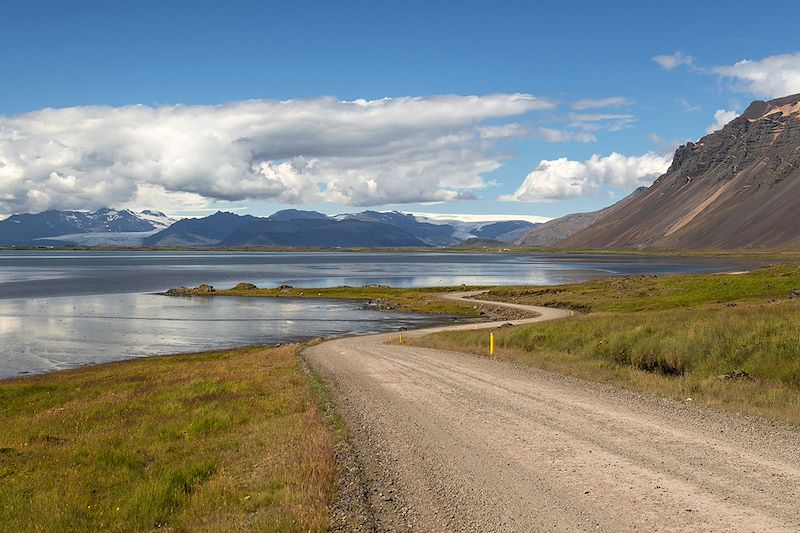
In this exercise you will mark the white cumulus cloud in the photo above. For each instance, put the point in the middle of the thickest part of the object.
(364, 152)
(770, 77)
(563, 178)
(721, 117)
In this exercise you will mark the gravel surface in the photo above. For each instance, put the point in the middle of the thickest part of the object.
(443, 441)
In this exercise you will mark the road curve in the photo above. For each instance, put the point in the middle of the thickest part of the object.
(445, 441)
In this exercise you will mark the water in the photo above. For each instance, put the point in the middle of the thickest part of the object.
(44, 334)
(62, 309)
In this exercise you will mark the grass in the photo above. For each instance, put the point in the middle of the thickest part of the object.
(649, 293)
(219, 441)
(424, 300)
(672, 336)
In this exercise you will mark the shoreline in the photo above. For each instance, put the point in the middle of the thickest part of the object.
(377, 298)
(783, 255)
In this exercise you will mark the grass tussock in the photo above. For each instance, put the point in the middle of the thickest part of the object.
(222, 441)
(658, 347)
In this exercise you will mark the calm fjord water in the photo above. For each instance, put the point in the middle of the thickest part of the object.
(60, 309)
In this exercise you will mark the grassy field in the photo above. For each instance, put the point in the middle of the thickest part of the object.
(667, 336)
(425, 300)
(649, 293)
(222, 441)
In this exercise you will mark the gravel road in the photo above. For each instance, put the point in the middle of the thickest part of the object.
(443, 441)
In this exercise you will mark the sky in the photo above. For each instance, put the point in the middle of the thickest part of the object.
(503, 108)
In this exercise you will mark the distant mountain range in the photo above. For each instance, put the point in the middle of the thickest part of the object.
(295, 228)
(57, 228)
(287, 228)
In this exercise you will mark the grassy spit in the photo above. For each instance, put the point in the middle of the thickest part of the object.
(671, 336)
(218, 441)
(425, 300)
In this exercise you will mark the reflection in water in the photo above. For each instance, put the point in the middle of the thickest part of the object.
(42, 274)
(47, 334)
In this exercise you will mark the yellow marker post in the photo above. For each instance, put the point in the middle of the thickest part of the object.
(491, 343)
(401, 337)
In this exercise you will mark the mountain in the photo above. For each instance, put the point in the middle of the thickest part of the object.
(431, 234)
(207, 231)
(297, 214)
(738, 187)
(327, 232)
(506, 231)
(553, 232)
(297, 228)
(158, 219)
(291, 227)
(70, 227)
(495, 227)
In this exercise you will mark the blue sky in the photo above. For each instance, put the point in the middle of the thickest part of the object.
(591, 65)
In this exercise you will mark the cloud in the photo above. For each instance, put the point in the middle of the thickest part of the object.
(554, 135)
(360, 153)
(551, 135)
(601, 121)
(562, 178)
(686, 106)
(504, 131)
(721, 117)
(669, 62)
(613, 101)
(770, 77)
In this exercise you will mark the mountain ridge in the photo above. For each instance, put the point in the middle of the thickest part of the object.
(735, 188)
(286, 228)
(38, 228)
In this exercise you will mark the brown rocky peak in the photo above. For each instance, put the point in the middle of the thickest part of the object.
(787, 105)
(735, 188)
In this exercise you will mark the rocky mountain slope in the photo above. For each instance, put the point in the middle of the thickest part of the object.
(736, 188)
(552, 232)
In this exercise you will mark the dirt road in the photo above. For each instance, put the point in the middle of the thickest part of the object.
(444, 441)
